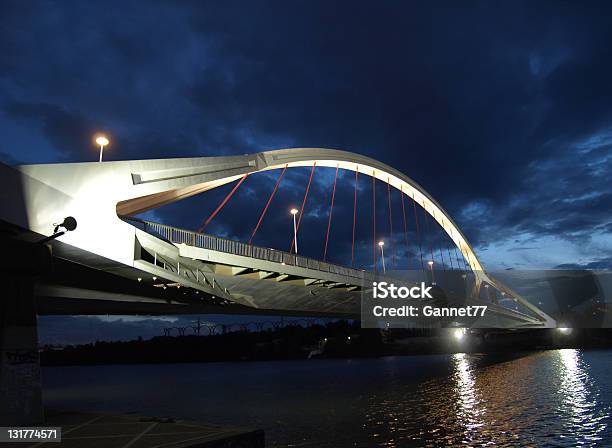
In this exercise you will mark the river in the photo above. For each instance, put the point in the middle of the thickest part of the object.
(547, 398)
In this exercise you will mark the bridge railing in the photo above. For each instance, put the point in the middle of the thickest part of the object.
(210, 242)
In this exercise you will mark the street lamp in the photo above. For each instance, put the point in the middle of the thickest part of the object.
(381, 244)
(294, 212)
(433, 278)
(102, 141)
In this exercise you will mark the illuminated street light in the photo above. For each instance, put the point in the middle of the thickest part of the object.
(102, 141)
(565, 330)
(294, 212)
(433, 278)
(488, 294)
(381, 244)
(464, 277)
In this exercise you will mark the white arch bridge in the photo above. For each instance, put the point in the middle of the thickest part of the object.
(113, 263)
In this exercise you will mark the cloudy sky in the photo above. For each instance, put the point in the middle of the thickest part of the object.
(502, 111)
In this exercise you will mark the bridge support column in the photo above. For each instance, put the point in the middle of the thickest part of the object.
(20, 385)
(20, 379)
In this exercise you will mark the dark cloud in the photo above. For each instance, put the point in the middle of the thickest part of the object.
(501, 111)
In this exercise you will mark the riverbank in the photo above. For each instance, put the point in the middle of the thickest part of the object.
(335, 340)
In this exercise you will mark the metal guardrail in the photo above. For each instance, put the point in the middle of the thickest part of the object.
(204, 241)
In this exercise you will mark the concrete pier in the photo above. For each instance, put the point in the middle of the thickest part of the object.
(20, 384)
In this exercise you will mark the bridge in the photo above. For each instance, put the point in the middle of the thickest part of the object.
(116, 263)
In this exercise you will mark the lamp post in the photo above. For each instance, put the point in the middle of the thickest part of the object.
(433, 278)
(102, 141)
(294, 212)
(381, 244)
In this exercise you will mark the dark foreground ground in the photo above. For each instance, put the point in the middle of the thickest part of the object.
(103, 430)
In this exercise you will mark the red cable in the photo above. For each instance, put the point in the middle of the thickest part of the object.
(227, 198)
(466, 259)
(405, 226)
(441, 255)
(354, 216)
(374, 218)
(331, 210)
(303, 205)
(427, 230)
(439, 244)
(263, 213)
(416, 221)
(448, 249)
(390, 224)
(457, 258)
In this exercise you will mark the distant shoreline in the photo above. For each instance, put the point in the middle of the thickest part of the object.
(334, 340)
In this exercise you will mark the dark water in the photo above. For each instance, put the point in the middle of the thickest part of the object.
(551, 398)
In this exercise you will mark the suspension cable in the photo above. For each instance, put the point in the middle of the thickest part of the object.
(428, 233)
(331, 210)
(374, 218)
(457, 258)
(263, 213)
(303, 205)
(392, 248)
(416, 221)
(354, 216)
(223, 202)
(448, 249)
(466, 259)
(405, 226)
(439, 241)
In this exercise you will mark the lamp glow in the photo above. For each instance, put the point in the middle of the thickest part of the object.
(459, 333)
(102, 141)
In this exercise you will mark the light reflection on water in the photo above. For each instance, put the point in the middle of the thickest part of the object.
(470, 405)
(584, 420)
(551, 398)
(541, 399)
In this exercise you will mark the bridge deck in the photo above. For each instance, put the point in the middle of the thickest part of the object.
(204, 241)
(283, 298)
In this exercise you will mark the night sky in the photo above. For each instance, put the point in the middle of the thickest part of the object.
(501, 110)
